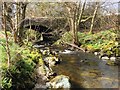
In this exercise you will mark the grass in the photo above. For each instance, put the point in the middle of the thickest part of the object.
(101, 41)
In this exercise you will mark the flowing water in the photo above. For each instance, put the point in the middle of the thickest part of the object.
(87, 71)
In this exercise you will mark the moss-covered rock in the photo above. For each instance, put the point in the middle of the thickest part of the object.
(51, 61)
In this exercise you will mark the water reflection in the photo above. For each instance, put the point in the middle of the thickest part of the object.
(87, 71)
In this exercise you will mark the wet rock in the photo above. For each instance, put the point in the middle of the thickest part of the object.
(105, 58)
(113, 58)
(51, 61)
(66, 52)
(60, 81)
(96, 53)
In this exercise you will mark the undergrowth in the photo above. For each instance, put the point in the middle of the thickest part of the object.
(103, 41)
(20, 74)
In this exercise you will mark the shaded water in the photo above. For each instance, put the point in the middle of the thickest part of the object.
(87, 71)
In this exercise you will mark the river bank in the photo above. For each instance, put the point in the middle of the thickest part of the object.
(85, 70)
(104, 44)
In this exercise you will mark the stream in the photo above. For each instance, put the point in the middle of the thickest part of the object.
(86, 70)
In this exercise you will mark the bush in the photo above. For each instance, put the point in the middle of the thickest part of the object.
(20, 74)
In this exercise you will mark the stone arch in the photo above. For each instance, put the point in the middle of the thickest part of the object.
(42, 25)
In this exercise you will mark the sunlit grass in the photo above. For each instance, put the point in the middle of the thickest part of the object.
(101, 40)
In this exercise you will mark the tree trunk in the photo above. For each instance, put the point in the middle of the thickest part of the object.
(15, 30)
(77, 21)
(81, 13)
(22, 10)
(93, 18)
(6, 36)
(24, 5)
(75, 16)
(71, 20)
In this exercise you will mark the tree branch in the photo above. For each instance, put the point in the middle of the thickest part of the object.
(73, 45)
(84, 20)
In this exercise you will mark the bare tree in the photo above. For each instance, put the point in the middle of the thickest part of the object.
(20, 10)
(5, 30)
(15, 13)
(75, 12)
(93, 17)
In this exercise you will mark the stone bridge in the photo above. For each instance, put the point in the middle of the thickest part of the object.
(49, 27)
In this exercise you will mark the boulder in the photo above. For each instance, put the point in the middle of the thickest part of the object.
(96, 53)
(60, 81)
(113, 58)
(51, 60)
(105, 58)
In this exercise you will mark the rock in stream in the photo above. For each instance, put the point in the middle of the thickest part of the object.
(60, 81)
